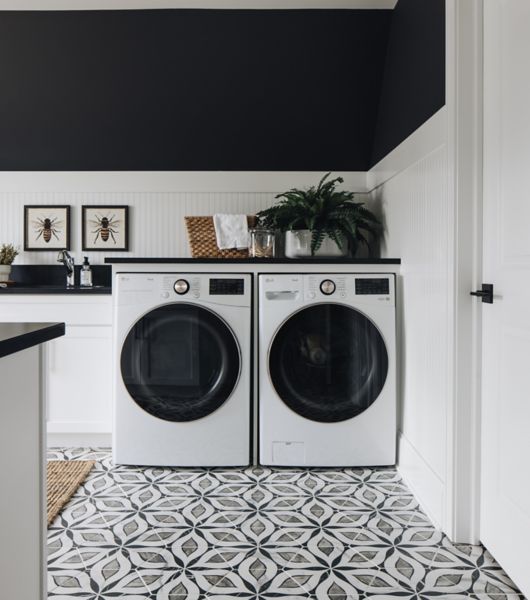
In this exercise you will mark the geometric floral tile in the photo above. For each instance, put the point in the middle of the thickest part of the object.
(139, 533)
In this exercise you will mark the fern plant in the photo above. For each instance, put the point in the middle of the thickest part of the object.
(325, 211)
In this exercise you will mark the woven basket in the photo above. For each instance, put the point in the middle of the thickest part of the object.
(203, 244)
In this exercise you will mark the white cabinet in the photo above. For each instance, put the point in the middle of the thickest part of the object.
(78, 366)
(79, 380)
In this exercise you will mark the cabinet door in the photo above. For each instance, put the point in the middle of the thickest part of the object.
(79, 381)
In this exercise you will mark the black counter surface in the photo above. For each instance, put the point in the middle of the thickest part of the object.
(51, 279)
(56, 289)
(257, 261)
(15, 337)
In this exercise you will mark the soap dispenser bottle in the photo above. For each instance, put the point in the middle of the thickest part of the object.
(86, 274)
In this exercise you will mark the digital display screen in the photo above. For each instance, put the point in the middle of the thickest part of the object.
(376, 287)
(227, 287)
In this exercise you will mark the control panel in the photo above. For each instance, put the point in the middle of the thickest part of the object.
(333, 286)
(344, 287)
(183, 286)
(234, 289)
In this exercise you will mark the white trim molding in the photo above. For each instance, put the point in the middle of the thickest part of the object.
(425, 485)
(87, 427)
(426, 139)
(79, 440)
(170, 181)
(464, 101)
(200, 4)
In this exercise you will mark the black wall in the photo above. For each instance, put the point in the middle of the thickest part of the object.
(203, 89)
(413, 87)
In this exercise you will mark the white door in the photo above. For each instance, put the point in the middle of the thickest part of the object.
(505, 462)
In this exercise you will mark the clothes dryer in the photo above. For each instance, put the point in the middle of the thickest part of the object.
(182, 345)
(327, 369)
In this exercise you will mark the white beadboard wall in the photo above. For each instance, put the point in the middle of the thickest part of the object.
(412, 195)
(158, 203)
(156, 218)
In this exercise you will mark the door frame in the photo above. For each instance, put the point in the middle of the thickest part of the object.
(464, 99)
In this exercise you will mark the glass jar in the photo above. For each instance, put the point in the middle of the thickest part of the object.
(261, 243)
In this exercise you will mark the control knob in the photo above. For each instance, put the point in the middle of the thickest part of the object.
(181, 287)
(327, 287)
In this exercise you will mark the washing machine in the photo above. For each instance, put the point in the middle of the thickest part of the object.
(327, 369)
(182, 344)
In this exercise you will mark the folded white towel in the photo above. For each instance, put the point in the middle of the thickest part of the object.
(231, 231)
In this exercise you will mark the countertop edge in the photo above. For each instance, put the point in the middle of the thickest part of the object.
(15, 343)
(43, 290)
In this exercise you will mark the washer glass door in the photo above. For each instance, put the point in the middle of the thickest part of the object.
(328, 362)
(180, 362)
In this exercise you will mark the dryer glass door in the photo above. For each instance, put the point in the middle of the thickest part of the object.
(180, 362)
(328, 362)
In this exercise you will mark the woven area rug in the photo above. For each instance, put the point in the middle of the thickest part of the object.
(63, 478)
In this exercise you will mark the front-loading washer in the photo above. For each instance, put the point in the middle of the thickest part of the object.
(182, 349)
(327, 369)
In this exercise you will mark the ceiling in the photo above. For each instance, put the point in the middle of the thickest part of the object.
(222, 4)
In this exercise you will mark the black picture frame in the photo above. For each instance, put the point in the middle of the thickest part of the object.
(100, 236)
(43, 227)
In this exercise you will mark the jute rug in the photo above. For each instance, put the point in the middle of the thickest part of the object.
(63, 478)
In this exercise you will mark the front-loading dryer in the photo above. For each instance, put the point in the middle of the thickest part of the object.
(182, 344)
(327, 369)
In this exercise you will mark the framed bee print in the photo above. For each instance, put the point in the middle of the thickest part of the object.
(105, 228)
(46, 228)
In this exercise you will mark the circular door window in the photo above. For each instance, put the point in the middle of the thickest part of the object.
(180, 362)
(328, 363)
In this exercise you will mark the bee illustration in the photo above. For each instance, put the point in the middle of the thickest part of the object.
(46, 228)
(105, 227)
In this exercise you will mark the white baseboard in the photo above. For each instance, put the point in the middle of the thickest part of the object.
(79, 440)
(423, 482)
(78, 427)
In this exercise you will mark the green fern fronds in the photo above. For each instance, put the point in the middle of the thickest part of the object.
(323, 210)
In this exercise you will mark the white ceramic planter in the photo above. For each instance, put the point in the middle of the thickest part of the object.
(5, 270)
(298, 245)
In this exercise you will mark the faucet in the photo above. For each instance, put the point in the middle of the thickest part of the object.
(66, 259)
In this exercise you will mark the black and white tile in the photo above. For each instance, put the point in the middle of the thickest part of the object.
(259, 533)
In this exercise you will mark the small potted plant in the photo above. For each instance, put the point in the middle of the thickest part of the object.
(8, 253)
(321, 221)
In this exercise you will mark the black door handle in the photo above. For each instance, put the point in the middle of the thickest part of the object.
(486, 293)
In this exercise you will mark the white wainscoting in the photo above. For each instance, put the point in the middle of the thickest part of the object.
(158, 203)
(156, 218)
(415, 205)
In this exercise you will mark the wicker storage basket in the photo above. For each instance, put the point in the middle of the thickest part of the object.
(203, 244)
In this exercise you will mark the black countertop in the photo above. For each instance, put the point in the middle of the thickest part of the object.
(51, 279)
(20, 336)
(256, 261)
(55, 289)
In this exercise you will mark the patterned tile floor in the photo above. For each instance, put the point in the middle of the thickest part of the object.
(259, 533)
